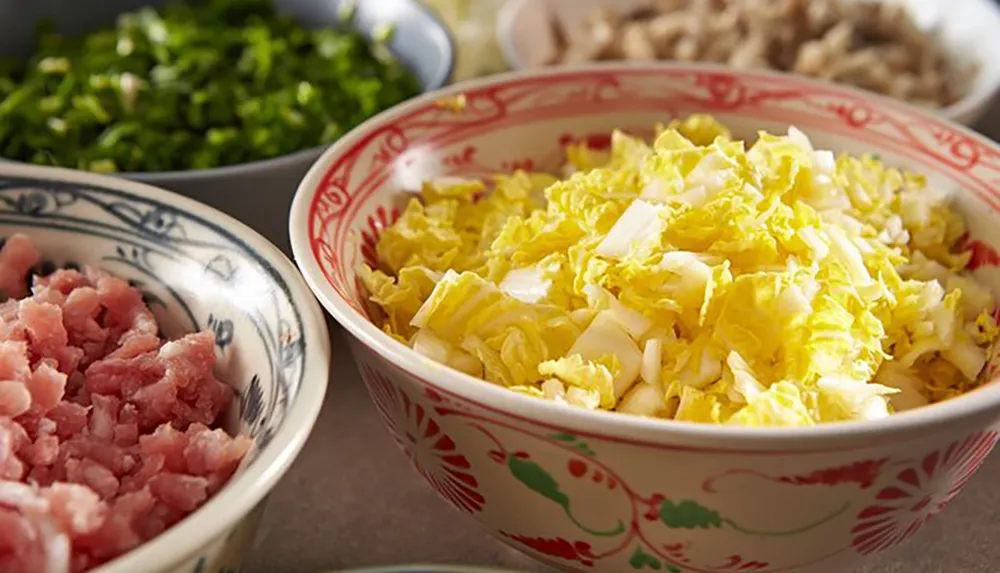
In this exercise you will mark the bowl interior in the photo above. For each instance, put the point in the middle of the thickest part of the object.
(197, 269)
(525, 121)
(194, 274)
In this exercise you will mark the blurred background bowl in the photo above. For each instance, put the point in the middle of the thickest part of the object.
(425, 569)
(200, 269)
(968, 29)
(608, 492)
(257, 193)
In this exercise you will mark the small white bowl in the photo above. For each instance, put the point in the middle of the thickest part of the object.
(198, 269)
(969, 28)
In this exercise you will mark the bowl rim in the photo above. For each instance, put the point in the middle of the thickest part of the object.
(442, 75)
(983, 401)
(965, 110)
(247, 488)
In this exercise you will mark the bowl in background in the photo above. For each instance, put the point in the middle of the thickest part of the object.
(607, 492)
(257, 193)
(970, 30)
(199, 269)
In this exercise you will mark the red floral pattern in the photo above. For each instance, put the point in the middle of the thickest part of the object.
(918, 492)
(378, 221)
(573, 551)
(863, 473)
(982, 255)
(595, 141)
(432, 452)
(738, 563)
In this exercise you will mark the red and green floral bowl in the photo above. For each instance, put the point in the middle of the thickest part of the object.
(593, 491)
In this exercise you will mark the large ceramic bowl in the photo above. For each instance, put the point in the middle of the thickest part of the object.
(199, 269)
(606, 492)
(257, 193)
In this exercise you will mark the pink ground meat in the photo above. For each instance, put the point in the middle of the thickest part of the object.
(106, 435)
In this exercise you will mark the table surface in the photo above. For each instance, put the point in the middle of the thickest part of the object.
(351, 499)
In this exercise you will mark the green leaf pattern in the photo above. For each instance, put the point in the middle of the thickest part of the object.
(640, 560)
(537, 479)
(688, 514)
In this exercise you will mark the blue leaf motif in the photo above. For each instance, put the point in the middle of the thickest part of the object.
(158, 222)
(223, 329)
(222, 267)
(32, 203)
(149, 237)
(291, 344)
(252, 403)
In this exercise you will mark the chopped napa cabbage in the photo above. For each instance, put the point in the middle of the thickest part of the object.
(652, 362)
(527, 285)
(639, 223)
(694, 278)
(700, 129)
(745, 386)
(594, 376)
(642, 400)
(400, 297)
(634, 322)
(907, 384)
(439, 350)
(780, 405)
(846, 399)
(605, 336)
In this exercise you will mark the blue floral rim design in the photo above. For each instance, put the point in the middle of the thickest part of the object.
(145, 231)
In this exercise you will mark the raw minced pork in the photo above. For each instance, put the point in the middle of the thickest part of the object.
(106, 435)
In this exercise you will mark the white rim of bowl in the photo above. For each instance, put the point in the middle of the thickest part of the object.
(968, 108)
(246, 489)
(601, 423)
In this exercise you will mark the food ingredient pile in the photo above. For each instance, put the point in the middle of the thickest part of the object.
(473, 24)
(105, 429)
(194, 86)
(872, 45)
(694, 279)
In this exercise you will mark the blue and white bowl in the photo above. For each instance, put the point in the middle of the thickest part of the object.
(198, 269)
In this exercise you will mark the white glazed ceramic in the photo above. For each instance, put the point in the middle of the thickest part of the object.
(198, 269)
(969, 28)
(605, 492)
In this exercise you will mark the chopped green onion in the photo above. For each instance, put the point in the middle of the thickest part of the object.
(194, 85)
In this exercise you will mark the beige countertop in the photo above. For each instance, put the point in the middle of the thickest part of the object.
(352, 500)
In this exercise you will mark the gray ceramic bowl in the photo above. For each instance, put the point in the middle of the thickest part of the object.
(259, 193)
